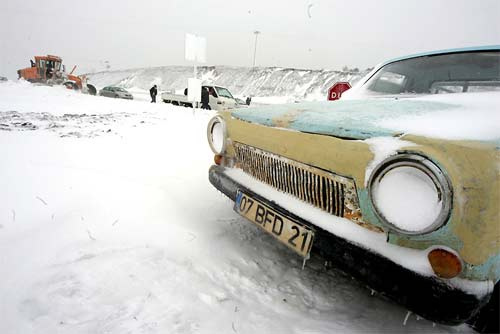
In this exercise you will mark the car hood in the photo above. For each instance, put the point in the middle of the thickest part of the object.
(472, 116)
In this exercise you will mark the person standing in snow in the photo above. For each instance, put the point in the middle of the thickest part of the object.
(205, 98)
(49, 71)
(248, 100)
(153, 92)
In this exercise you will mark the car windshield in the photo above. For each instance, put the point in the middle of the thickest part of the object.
(445, 73)
(224, 92)
(118, 89)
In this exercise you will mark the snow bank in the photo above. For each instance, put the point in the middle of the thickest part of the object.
(262, 82)
(25, 97)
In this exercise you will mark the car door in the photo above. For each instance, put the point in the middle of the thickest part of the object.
(111, 92)
(225, 99)
(105, 91)
(213, 98)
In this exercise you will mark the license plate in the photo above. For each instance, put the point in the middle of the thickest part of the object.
(295, 235)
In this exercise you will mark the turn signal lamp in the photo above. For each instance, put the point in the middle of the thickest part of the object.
(218, 159)
(444, 263)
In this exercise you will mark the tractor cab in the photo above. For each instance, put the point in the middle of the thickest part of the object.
(49, 66)
(43, 69)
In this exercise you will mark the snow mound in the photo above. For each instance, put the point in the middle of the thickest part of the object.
(264, 82)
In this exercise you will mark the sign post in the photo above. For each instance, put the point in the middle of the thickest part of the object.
(195, 50)
(335, 92)
(194, 90)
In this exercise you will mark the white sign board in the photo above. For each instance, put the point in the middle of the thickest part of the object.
(196, 47)
(194, 90)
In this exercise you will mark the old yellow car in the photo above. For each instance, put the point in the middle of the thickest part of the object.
(397, 183)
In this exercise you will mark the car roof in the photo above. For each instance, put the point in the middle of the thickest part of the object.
(423, 54)
(456, 50)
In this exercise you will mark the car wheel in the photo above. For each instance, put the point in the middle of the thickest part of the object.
(91, 89)
(71, 85)
(486, 320)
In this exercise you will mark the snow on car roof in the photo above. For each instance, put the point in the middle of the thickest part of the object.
(456, 50)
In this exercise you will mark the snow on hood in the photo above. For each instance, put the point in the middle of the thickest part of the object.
(475, 116)
(470, 116)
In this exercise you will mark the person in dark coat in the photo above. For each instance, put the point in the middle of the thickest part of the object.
(153, 92)
(205, 98)
(49, 71)
(248, 100)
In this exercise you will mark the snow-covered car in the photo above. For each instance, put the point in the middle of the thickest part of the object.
(116, 92)
(397, 183)
(3, 79)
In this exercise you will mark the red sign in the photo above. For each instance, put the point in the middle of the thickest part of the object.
(335, 92)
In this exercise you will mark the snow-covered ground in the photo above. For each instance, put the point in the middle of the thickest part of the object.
(108, 224)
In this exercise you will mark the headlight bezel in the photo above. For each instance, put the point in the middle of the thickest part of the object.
(432, 170)
(217, 120)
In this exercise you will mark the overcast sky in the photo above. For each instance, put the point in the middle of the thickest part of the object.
(302, 34)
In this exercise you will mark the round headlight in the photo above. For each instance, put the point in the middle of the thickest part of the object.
(410, 194)
(216, 134)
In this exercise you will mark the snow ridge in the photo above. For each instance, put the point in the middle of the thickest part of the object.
(241, 81)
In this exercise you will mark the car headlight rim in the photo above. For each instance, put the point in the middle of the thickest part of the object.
(432, 171)
(210, 134)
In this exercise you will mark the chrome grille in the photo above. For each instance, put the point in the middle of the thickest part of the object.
(330, 192)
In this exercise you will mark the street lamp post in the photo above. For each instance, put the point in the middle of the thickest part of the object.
(256, 32)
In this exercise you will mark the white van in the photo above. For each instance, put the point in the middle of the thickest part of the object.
(219, 98)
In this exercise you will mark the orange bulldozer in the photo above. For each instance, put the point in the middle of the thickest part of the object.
(49, 70)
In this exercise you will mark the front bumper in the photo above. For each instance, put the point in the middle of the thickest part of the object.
(426, 296)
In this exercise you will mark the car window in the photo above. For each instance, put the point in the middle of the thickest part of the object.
(464, 86)
(390, 82)
(211, 91)
(445, 73)
(480, 87)
(224, 92)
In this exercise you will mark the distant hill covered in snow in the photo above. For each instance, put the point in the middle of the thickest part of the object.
(298, 84)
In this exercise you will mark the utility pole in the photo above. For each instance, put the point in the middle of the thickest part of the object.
(256, 32)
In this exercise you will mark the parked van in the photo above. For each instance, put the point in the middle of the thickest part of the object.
(219, 98)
